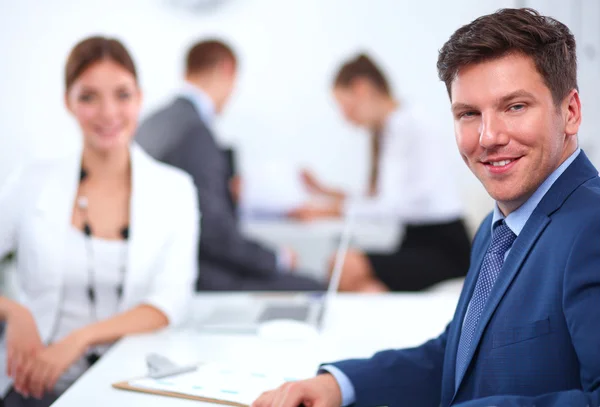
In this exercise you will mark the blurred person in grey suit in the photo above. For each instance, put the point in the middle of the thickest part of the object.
(181, 135)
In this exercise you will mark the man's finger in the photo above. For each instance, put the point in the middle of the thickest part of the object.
(264, 400)
(279, 395)
(291, 396)
(295, 396)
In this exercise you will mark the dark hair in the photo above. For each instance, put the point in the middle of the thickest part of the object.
(206, 55)
(362, 67)
(95, 49)
(548, 42)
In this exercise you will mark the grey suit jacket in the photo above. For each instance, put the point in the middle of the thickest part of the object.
(177, 136)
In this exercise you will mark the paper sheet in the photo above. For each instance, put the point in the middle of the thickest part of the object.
(218, 381)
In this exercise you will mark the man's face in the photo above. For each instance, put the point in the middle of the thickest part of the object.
(508, 129)
(225, 76)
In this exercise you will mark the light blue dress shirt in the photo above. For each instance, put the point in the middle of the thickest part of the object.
(515, 221)
(203, 104)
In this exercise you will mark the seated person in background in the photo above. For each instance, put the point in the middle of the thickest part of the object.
(525, 332)
(409, 183)
(105, 239)
(181, 134)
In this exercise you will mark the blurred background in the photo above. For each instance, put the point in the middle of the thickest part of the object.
(282, 109)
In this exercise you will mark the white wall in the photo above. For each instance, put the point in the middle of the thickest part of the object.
(289, 51)
(583, 18)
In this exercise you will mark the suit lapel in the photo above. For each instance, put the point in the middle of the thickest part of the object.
(512, 265)
(461, 310)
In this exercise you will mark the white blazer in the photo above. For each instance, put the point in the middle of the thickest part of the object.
(35, 213)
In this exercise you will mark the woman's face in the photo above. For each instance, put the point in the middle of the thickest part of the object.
(105, 100)
(357, 102)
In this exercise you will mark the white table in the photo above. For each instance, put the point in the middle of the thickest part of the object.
(355, 326)
(316, 241)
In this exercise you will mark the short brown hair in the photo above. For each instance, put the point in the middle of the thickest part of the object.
(207, 54)
(548, 42)
(95, 49)
(362, 66)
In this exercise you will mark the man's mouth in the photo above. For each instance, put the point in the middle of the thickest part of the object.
(500, 163)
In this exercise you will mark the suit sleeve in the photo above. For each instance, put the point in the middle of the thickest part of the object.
(407, 377)
(221, 240)
(581, 292)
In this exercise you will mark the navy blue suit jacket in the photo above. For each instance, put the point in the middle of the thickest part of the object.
(538, 340)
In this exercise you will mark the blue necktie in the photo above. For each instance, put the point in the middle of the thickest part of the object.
(502, 240)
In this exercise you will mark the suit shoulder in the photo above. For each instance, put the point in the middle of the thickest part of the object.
(581, 210)
(171, 127)
(590, 189)
(586, 198)
(174, 112)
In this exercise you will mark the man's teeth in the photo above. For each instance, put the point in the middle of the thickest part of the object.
(501, 163)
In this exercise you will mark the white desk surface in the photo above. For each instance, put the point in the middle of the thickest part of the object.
(355, 326)
(316, 241)
(366, 233)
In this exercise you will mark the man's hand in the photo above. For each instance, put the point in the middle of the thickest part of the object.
(290, 258)
(52, 362)
(235, 188)
(23, 343)
(320, 391)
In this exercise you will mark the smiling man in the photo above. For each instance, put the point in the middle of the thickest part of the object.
(526, 331)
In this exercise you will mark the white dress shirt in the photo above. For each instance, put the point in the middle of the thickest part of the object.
(413, 186)
(76, 310)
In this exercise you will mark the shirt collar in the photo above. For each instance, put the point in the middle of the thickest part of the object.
(516, 220)
(201, 102)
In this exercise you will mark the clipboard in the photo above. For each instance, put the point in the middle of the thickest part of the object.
(217, 383)
(126, 386)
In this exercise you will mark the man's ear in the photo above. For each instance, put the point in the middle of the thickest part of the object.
(572, 111)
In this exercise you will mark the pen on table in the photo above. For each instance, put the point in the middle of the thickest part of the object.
(159, 367)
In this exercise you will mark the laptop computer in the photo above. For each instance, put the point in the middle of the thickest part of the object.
(309, 308)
